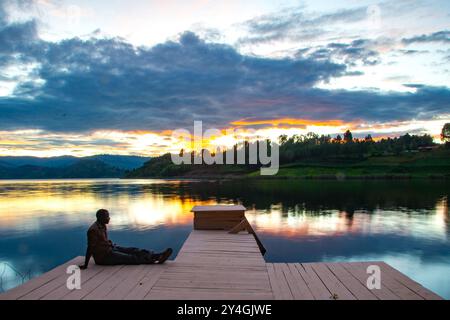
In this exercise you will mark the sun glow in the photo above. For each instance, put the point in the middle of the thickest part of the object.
(153, 143)
(80, 202)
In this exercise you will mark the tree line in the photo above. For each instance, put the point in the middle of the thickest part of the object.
(345, 147)
(308, 148)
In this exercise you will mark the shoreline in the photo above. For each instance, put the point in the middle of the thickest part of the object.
(318, 177)
(337, 177)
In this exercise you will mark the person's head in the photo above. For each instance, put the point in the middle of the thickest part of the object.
(102, 216)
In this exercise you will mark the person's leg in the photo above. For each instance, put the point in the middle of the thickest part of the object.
(127, 250)
(117, 258)
(163, 256)
(133, 250)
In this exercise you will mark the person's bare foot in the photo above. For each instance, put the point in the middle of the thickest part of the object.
(164, 256)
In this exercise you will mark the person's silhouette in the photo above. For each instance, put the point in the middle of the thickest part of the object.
(107, 253)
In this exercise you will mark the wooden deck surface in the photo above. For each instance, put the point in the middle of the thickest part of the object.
(217, 265)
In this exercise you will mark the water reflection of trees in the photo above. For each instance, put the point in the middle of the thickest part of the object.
(316, 197)
(291, 198)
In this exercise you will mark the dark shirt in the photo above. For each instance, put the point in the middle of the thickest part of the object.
(99, 244)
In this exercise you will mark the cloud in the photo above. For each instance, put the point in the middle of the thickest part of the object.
(359, 51)
(414, 85)
(441, 36)
(301, 25)
(297, 24)
(413, 52)
(362, 105)
(86, 85)
(15, 38)
(107, 83)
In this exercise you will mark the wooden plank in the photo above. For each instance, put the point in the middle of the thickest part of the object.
(218, 208)
(215, 272)
(293, 282)
(213, 264)
(206, 281)
(35, 283)
(240, 238)
(361, 275)
(205, 235)
(389, 280)
(241, 226)
(62, 290)
(91, 284)
(218, 234)
(337, 289)
(216, 284)
(219, 258)
(178, 267)
(131, 280)
(358, 290)
(315, 285)
(206, 294)
(238, 241)
(214, 261)
(201, 247)
(239, 251)
(212, 275)
(298, 286)
(209, 253)
(47, 288)
(106, 287)
(222, 244)
(145, 285)
(219, 215)
(408, 282)
(280, 288)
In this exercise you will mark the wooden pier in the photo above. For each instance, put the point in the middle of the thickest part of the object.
(215, 264)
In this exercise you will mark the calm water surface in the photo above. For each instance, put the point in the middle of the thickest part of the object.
(405, 223)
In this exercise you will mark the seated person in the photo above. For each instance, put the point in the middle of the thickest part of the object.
(107, 253)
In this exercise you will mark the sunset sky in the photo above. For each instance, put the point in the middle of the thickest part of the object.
(117, 77)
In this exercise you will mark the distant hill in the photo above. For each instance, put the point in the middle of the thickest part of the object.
(118, 161)
(51, 162)
(163, 167)
(99, 166)
(420, 164)
(122, 162)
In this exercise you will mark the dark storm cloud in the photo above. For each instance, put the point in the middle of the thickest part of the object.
(362, 105)
(16, 38)
(83, 85)
(110, 84)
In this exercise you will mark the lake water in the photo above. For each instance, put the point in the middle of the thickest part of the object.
(405, 223)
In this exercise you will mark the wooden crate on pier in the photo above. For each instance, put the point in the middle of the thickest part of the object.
(217, 217)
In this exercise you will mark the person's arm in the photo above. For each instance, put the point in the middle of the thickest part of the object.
(91, 239)
(86, 259)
